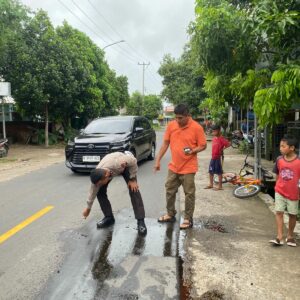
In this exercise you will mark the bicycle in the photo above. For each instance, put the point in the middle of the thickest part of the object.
(246, 186)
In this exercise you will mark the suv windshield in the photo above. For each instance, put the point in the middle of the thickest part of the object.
(108, 126)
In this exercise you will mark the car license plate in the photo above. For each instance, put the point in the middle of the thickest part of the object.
(91, 158)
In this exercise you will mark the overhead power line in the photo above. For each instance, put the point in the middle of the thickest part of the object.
(92, 30)
(118, 34)
(112, 28)
(82, 11)
(100, 29)
(121, 51)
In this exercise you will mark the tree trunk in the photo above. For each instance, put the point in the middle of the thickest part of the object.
(46, 126)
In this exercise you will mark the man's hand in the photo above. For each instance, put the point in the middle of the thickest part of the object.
(86, 212)
(161, 153)
(133, 186)
(157, 166)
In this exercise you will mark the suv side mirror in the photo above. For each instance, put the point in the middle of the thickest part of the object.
(139, 129)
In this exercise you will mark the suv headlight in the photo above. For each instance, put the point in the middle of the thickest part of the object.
(71, 143)
(120, 144)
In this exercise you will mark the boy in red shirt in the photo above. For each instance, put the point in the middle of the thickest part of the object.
(219, 143)
(287, 169)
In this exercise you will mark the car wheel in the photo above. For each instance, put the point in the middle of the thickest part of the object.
(152, 153)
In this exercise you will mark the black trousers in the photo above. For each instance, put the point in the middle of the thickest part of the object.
(136, 200)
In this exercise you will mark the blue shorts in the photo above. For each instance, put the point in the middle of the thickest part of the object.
(215, 166)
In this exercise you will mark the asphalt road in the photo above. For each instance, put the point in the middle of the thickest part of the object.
(55, 254)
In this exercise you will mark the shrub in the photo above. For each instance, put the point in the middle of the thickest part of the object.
(52, 137)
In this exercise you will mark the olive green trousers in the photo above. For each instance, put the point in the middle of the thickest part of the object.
(174, 181)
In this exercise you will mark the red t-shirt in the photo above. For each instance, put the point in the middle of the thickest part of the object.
(219, 143)
(288, 177)
(192, 135)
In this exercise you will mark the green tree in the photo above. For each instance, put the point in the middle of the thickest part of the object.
(249, 52)
(34, 73)
(222, 46)
(244, 87)
(276, 24)
(220, 39)
(121, 87)
(217, 112)
(135, 105)
(149, 106)
(270, 104)
(97, 91)
(182, 81)
(60, 74)
(152, 106)
(115, 93)
(87, 80)
(13, 18)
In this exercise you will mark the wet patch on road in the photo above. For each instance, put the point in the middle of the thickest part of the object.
(117, 263)
(211, 225)
(218, 224)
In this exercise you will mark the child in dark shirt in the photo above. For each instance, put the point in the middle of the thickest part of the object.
(287, 169)
(219, 143)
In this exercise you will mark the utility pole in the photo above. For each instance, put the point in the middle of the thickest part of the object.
(143, 85)
(5, 90)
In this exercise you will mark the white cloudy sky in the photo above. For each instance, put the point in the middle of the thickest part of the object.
(150, 28)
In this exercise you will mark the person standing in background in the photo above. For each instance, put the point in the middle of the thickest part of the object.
(186, 138)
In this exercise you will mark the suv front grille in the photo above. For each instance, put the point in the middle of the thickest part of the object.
(82, 150)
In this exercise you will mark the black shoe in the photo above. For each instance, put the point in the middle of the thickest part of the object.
(141, 226)
(105, 222)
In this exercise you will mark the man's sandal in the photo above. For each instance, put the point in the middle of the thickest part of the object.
(208, 187)
(166, 219)
(291, 242)
(276, 242)
(186, 224)
(217, 189)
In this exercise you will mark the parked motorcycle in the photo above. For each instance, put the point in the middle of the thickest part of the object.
(238, 136)
(4, 147)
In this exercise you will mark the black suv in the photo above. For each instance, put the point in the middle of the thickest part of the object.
(110, 134)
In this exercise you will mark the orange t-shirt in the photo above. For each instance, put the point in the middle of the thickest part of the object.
(192, 135)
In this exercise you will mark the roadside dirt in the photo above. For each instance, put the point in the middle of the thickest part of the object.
(23, 159)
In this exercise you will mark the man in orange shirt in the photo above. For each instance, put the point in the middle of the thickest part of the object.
(186, 138)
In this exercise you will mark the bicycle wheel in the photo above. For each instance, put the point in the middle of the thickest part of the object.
(246, 191)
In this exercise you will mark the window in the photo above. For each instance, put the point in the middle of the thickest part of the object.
(145, 124)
